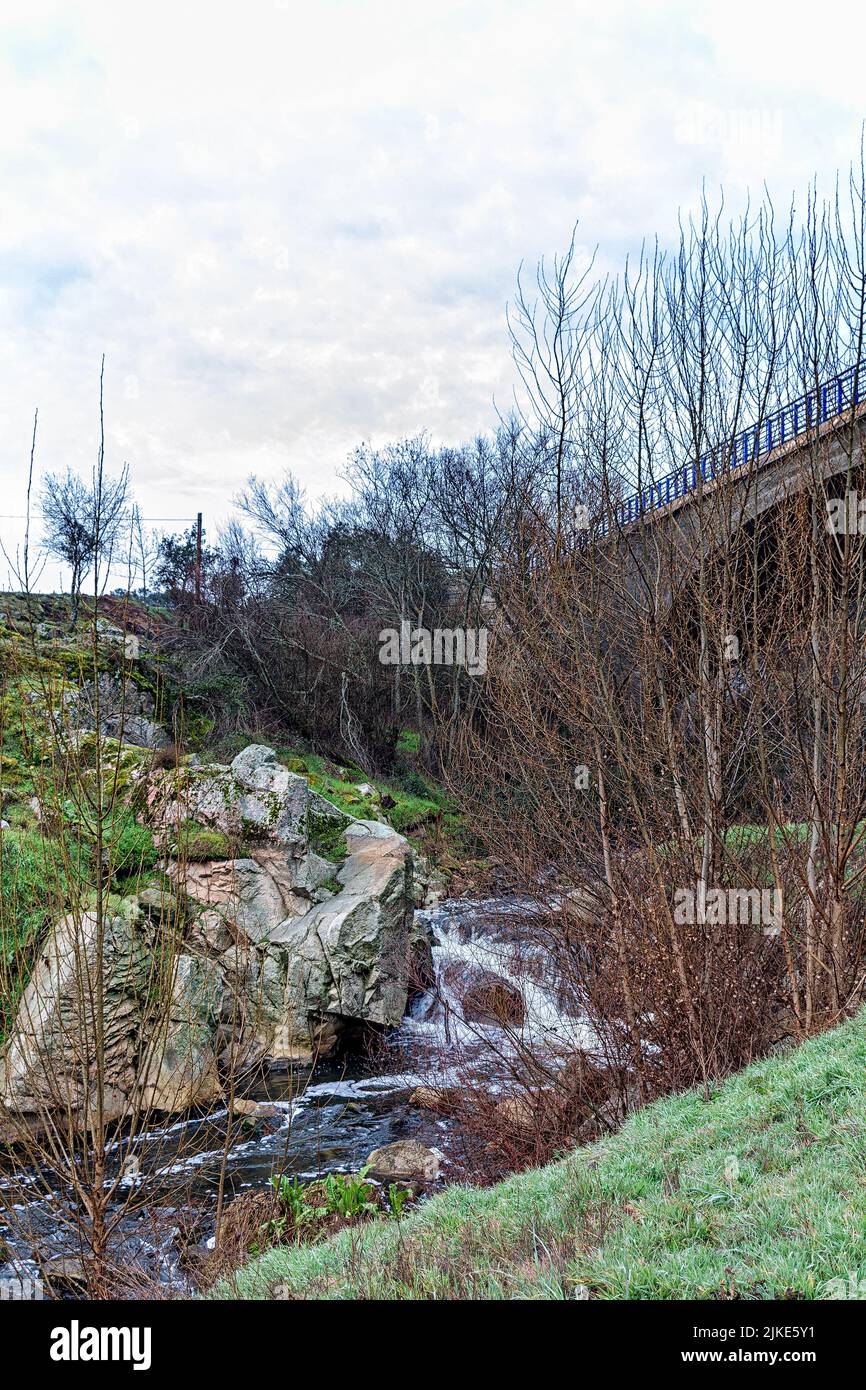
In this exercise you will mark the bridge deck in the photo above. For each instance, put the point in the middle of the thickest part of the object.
(818, 413)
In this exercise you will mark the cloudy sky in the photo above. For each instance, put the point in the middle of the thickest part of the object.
(291, 227)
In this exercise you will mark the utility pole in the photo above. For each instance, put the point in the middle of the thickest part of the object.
(198, 558)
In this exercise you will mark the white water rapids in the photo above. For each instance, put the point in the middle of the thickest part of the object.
(321, 1122)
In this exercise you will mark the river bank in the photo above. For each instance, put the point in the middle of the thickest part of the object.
(312, 1121)
(753, 1193)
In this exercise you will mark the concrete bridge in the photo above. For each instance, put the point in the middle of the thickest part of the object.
(693, 510)
(822, 412)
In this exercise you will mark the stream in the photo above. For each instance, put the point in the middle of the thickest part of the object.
(327, 1119)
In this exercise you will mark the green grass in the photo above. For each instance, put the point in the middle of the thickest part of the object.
(739, 838)
(415, 807)
(336, 784)
(420, 809)
(409, 741)
(759, 1192)
(37, 875)
(39, 878)
(199, 843)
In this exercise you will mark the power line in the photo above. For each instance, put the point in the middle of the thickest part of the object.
(21, 516)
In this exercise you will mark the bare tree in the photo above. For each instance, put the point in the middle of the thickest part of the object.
(83, 522)
(698, 657)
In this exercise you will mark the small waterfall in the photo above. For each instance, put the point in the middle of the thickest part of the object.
(327, 1120)
(471, 933)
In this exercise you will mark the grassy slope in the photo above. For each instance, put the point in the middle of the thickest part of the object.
(655, 1211)
(411, 810)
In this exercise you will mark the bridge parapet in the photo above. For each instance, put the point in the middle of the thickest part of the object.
(806, 417)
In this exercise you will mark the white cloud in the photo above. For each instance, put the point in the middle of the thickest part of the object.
(291, 227)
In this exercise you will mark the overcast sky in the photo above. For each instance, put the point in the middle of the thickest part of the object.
(292, 227)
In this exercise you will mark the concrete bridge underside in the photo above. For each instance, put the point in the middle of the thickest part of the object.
(665, 545)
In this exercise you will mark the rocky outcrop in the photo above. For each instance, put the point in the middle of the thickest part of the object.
(49, 1065)
(304, 944)
(264, 956)
(254, 798)
(117, 709)
(300, 959)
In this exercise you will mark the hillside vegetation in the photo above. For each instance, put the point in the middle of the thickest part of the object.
(758, 1192)
(48, 791)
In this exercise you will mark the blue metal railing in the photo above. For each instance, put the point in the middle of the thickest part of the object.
(800, 416)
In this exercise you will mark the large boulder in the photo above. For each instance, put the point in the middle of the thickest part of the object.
(261, 956)
(50, 1063)
(253, 799)
(364, 930)
(406, 1159)
(349, 957)
(159, 1034)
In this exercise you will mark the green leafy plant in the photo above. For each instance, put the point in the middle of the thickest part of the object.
(345, 1195)
(295, 1215)
(291, 1193)
(349, 1194)
(397, 1199)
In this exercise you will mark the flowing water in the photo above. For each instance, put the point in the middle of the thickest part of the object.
(327, 1120)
